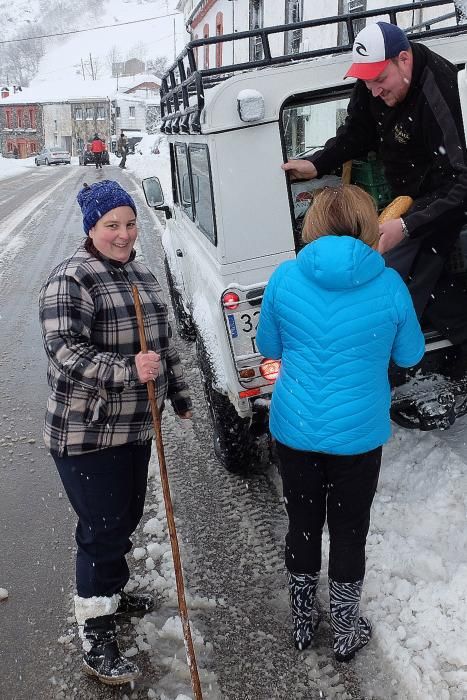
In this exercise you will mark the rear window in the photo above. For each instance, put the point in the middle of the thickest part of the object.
(307, 125)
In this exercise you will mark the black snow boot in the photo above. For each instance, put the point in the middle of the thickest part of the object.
(351, 632)
(305, 616)
(135, 604)
(104, 660)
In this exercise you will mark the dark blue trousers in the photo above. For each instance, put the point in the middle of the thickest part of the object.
(107, 489)
(337, 488)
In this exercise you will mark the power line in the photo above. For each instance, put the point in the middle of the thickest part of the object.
(91, 29)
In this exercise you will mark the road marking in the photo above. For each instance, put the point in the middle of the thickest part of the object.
(16, 219)
(4, 201)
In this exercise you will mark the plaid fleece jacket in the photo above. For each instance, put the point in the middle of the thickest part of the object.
(90, 336)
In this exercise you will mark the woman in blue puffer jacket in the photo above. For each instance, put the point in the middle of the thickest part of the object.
(336, 317)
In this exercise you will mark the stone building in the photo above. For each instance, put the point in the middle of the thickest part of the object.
(89, 116)
(21, 129)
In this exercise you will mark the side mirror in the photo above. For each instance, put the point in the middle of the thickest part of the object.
(155, 196)
(153, 191)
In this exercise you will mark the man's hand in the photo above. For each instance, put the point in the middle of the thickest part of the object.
(300, 169)
(390, 235)
(187, 415)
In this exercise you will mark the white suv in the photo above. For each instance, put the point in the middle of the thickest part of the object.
(235, 216)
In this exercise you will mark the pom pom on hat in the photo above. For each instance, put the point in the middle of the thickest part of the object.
(99, 198)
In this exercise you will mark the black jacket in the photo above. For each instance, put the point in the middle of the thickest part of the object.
(421, 143)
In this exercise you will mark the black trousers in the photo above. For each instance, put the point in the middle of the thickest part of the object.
(98, 160)
(107, 489)
(340, 488)
(418, 267)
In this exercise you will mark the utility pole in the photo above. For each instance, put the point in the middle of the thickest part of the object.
(92, 67)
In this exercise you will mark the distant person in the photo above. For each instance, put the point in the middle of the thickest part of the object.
(98, 424)
(98, 148)
(123, 150)
(15, 152)
(335, 317)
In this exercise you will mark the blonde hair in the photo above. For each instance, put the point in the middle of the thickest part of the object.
(346, 210)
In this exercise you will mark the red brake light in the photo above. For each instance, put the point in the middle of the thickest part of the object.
(269, 369)
(230, 300)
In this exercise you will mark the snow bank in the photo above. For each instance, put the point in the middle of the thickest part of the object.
(10, 167)
(415, 589)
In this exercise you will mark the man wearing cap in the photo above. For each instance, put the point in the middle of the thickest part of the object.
(405, 106)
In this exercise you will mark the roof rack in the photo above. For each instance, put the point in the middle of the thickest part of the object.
(183, 84)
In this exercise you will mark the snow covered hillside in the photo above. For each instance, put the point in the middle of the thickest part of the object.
(144, 40)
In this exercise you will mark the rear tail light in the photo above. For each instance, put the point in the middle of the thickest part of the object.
(269, 369)
(248, 392)
(230, 300)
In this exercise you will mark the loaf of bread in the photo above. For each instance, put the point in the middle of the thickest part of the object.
(395, 209)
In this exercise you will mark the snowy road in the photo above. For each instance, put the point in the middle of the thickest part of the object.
(230, 528)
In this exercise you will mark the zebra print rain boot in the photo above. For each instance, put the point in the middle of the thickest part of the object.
(351, 632)
(305, 616)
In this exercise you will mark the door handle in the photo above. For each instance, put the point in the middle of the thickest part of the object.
(179, 253)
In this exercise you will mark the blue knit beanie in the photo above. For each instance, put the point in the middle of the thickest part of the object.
(99, 198)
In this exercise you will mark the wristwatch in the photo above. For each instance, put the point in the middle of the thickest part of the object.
(405, 230)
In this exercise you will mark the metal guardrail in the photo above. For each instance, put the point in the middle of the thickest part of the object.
(183, 84)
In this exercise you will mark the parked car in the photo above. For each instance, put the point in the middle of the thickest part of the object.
(228, 229)
(87, 156)
(49, 156)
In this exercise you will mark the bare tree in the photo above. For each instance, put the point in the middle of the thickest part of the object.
(157, 66)
(138, 50)
(113, 57)
(20, 60)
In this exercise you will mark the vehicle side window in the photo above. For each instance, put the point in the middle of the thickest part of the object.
(183, 177)
(202, 190)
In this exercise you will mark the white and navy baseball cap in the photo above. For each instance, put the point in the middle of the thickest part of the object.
(373, 47)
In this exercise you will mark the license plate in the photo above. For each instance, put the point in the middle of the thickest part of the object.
(242, 328)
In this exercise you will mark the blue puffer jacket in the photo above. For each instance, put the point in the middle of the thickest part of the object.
(335, 316)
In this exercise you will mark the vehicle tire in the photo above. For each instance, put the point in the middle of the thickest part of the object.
(36, 162)
(183, 320)
(47, 161)
(234, 444)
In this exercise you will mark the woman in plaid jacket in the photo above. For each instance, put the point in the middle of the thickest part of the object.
(98, 423)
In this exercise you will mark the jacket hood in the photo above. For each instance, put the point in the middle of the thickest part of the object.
(339, 262)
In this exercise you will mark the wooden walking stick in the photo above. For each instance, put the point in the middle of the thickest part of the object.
(156, 419)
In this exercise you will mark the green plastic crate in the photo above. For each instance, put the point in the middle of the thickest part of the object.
(369, 175)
